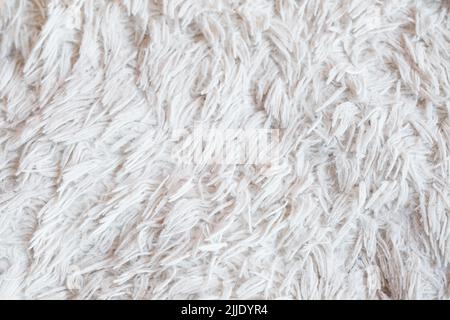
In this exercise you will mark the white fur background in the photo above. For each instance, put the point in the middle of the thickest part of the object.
(92, 205)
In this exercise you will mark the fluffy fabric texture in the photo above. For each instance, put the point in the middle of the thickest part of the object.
(94, 206)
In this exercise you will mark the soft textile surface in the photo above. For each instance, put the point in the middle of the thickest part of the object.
(94, 205)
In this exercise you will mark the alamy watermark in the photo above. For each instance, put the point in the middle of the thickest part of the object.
(201, 145)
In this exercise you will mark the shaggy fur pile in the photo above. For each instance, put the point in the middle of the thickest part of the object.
(94, 206)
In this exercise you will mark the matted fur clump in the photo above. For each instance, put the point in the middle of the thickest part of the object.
(95, 96)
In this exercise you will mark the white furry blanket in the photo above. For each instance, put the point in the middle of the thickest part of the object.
(98, 100)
